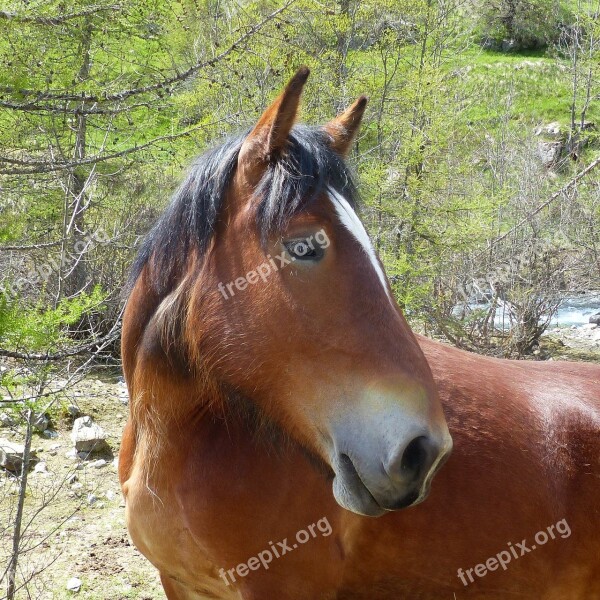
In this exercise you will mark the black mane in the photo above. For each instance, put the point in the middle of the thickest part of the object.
(291, 182)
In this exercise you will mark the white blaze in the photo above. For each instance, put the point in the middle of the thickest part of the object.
(353, 224)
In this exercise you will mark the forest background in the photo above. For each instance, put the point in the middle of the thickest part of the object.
(476, 160)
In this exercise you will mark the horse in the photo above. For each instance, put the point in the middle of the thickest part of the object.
(286, 424)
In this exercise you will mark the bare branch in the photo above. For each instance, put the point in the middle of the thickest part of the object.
(29, 246)
(160, 85)
(40, 166)
(552, 198)
(83, 349)
(79, 109)
(57, 19)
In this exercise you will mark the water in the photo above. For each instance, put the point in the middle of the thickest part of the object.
(574, 310)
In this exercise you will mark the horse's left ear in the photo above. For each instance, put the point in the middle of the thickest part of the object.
(343, 128)
(270, 135)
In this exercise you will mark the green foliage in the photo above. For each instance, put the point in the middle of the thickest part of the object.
(521, 24)
(446, 156)
(40, 328)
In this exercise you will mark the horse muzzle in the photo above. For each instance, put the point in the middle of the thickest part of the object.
(386, 462)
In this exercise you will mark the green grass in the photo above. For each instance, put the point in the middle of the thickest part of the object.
(534, 87)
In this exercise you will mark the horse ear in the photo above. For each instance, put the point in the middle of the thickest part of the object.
(270, 134)
(344, 127)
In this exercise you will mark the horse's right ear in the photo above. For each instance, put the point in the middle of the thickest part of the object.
(343, 129)
(269, 136)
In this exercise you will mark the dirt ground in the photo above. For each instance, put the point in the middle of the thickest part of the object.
(81, 533)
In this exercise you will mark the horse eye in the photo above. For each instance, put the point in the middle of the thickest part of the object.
(303, 250)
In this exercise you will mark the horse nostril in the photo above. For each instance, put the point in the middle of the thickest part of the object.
(415, 458)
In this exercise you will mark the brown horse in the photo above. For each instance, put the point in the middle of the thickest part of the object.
(268, 363)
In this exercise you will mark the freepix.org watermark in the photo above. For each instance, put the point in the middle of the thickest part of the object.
(271, 265)
(41, 273)
(515, 551)
(277, 550)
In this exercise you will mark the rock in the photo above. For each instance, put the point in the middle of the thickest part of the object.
(76, 485)
(110, 495)
(41, 422)
(123, 395)
(72, 478)
(6, 420)
(11, 455)
(488, 43)
(87, 435)
(74, 584)
(50, 434)
(73, 410)
(595, 319)
(509, 45)
(551, 130)
(41, 468)
(98, 464)
(550, 153)
(53, 450)
(71, 454)
(92, 498)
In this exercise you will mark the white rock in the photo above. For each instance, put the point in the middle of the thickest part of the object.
(41, 422)
(110, 495)
(11, 455)
(92, 498)
(6, 420)
(552, 129)
(549, 152)
(74, 584)
(41, 468)
(98, 464)
(87, 435)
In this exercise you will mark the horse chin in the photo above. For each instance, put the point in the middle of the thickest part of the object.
(356, 498)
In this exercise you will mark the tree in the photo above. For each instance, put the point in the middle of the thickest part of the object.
(520, 24)
(86, 102)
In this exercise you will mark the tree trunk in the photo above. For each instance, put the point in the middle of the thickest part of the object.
(76, 201)
(14, 559)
